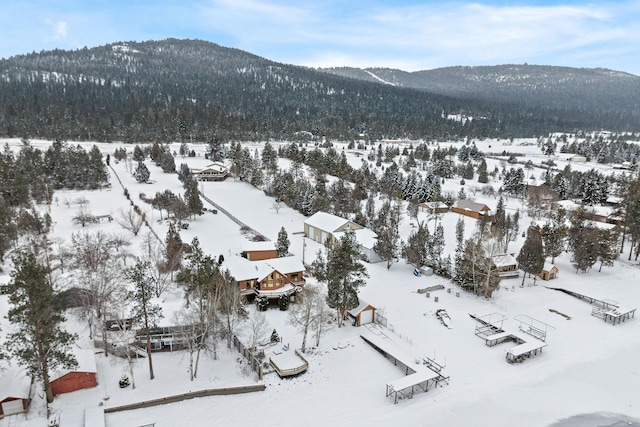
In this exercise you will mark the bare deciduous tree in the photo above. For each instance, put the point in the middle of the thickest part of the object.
(257, 328)
(130, 220)
(304, 314)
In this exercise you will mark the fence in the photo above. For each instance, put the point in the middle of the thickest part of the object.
(231, 217)
(185, 396)
(381, 320)
(255, 358)
(145, 221)
(384, 322)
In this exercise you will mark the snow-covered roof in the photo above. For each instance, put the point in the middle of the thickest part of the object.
(217, 167)
(600, 210)
(365, 237)
(240, 268)
(548, 266)
(600, 225)
(569, 205)
(434, 205)
(325, 221)
(472, 206)
(359, 309)
(14, 382)
(504, 260)
(243, 269)
(86, 363)
(285, 265)
(251, 246)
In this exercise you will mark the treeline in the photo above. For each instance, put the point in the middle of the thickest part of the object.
(189, 90)
(32, 175)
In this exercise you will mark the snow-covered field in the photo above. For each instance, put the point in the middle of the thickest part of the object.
(588, 367)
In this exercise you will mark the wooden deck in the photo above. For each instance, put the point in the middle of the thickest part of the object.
(418, 376)
(289, 365)
(607, 310)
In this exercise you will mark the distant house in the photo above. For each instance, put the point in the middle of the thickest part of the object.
(434, 207)
(577, 158)
(327, 229)
(216, 171)
(256, 251)
(362, 314)
(549, 272)
(506, 265)
(270, 277)
(14, 391)
(601, 214)
(541, 192)
(471, 209)
(84, 376)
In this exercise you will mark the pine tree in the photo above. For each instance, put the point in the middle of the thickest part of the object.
(436, 249)
(192, 198)
(40, 344)
(142, 173)
(345, 274)
(483, 177)
(607, 247)
(554, 234)
(282, 244)
(174, 248)
(585, 248)
(143, 309)
(415, 250)
(531, 256)
(138, 154)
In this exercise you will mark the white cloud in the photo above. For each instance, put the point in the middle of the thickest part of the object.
(60, 30)
(449, 33)
(56, 30)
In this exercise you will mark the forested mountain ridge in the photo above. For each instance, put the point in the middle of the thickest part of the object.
(196, 90)
(606, 95)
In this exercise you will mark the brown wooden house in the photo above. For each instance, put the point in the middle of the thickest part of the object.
(270, 278)
(471, 209)
(506, 265)
(214, 172)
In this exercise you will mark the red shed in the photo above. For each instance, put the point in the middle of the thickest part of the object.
(84, 376)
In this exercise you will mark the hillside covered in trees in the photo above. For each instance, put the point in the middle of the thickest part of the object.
(191, 90)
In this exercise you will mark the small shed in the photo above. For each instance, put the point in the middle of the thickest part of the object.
(14, 392)
(362, 314)
(549, 272)
(84, 376)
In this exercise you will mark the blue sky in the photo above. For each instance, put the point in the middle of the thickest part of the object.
(407, 34)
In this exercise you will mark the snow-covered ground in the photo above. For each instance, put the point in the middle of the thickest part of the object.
(588, 367)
